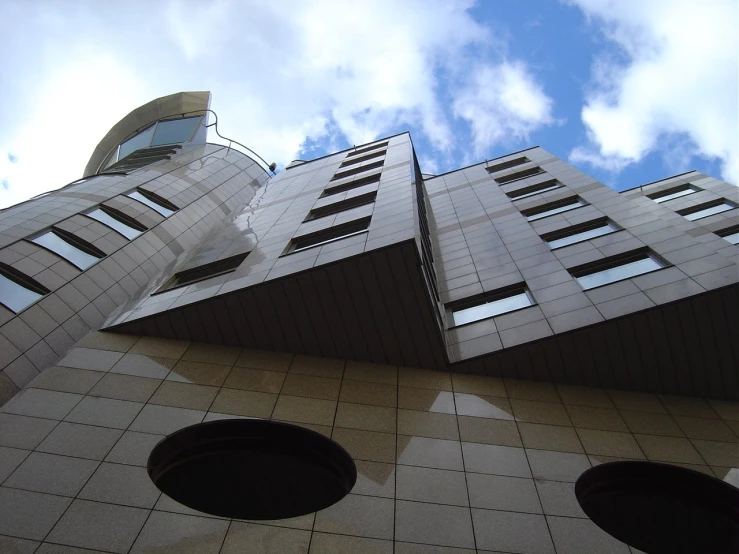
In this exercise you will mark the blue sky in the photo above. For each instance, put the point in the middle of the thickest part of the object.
(629, 91)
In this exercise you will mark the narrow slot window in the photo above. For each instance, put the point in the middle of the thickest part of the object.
(342, 206)
(369, 148)
(352, 161)
(553, 208)
(676, 192)
(519, 175)
(579, 233)
(705, 210)
(730, 233)
(329, 235)
(205, 271)
(356, 183)
(615, 269)
(115, 222)
(355, 170)
(63, 244)
(491, 306)
(159, 205)
(534, 190)
(507, 165)
(18, 291)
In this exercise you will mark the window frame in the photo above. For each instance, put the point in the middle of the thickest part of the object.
(519, 175)
(203, 272)
(502, 166)
(155, 199)
(369, 148)
(659, 197)
(619, 260)
(73, 241)
(328, 235)
(542, 211)
(686, 212)
(727, 232)
(509, 292)
(349, 185)
(580, 228)
(533, 190)
(120, 217)
(341, 206)
(23, 281)
(355, 170)
(348, 162)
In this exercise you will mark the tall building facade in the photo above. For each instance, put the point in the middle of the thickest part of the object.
(475, 340)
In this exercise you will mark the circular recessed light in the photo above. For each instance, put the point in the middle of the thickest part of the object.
(251, 469)
(660, 508)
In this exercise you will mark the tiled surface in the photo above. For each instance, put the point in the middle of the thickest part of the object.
(446, 463)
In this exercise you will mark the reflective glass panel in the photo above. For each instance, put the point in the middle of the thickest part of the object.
(579, 237)
(174, 131)
(709, 211)
(129, 232)
(733, 238)
(575, 204)
(490, 309)
(677, 194)
(618, 273)
(14, 296)
(71, 253)
(141, 140)
(136, 195)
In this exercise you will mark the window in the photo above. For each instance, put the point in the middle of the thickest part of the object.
(156, 203)
(352, 161)
(508, 300)
(367, 149)
(355, 170)
(579, 233)
(174, 131)
(203, 272)
(73, 249)
(18, 291)
(704, 210)
(126, 226)
(730, 233)
(356, 183)
(534, 190)
(344, 205)
(553, 208)
(142, 140)
(616, 268)
(519, 175)
(507, 165)
(328, 235)
(675, 192)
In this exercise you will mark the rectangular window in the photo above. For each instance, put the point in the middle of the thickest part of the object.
(369, 148)
(156, 203)
(579, 233)
(328, 235)
(73, 249)
(704, 210)
(342, 206)
(203, 272)
(491, 305)
(519, 175)
(675, 192)
(117, 221)
(730, 233)
(553, 208)
(355, 170)
(616, 268)
(507, 165)
(18, 291)
(356, 183)
(351, 161)
(534, 189)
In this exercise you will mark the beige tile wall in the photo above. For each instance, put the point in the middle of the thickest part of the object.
(447, 463)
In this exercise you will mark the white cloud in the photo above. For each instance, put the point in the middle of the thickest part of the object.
(502, 103)
(680, 81)
(280, 73)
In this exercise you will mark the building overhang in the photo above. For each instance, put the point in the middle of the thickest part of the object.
(191, 103)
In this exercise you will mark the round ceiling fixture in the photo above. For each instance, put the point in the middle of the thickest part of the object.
(660, 508)
(251, 469)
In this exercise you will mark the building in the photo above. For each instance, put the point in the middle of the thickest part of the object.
(475, 340)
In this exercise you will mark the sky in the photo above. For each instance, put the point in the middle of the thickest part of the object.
(628, 91)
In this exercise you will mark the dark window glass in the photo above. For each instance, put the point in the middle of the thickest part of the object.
(70, 252)
(616, 268)
(675, 192)
(329, 235)
(344, 205)
(107, 219)
(507, 165)
(15, 295)
(174, 131)
(154, 203)
(519, 175)
(491, 306)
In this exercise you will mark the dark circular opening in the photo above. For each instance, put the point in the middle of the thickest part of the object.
(660, 508)
(251, 469)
